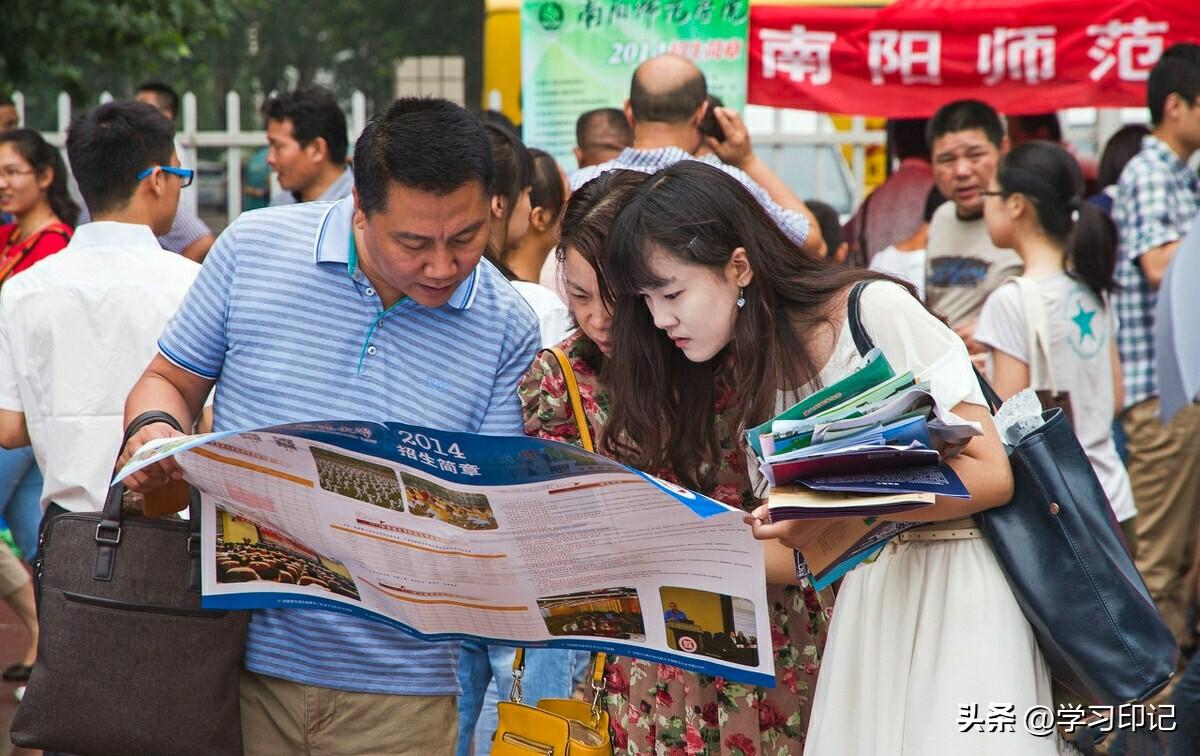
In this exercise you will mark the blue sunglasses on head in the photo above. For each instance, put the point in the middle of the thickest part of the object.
(186, 175)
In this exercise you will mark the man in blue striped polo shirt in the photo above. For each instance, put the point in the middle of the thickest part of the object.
(375, 307)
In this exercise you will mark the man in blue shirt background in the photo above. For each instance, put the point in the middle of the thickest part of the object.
(375, 307)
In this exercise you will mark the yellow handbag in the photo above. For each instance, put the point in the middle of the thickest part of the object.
(556, 726)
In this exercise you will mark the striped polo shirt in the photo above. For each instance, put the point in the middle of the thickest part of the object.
(288, 327)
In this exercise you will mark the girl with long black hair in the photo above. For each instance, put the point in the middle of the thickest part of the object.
(658, 708)
(710, 293)
(1069, 246)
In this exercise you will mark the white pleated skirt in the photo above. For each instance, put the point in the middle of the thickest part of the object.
(930, 629)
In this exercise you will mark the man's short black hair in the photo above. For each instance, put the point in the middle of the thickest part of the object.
(602, 121)
(675, 105)
(907, 137)
(964, 115)
(168, 98)
(6, 101)
(1178, 72)
(109, 146)
(314, 113)
(424, 143)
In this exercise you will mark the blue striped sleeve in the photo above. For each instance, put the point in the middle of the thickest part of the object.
(196, 337)
(521, 341)
(791, 222)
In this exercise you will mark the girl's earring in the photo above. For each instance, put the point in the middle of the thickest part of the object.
(741, 300)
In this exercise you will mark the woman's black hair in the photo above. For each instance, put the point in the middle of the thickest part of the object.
(663, 415)
(511, 169)
(511, 165)
(41, 156)
(548, 191)
(1050, 177)
(1120, 149)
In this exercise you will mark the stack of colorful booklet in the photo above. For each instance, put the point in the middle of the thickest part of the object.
(864, 447)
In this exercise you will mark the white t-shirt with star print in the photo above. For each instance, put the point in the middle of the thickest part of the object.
(1082, 328)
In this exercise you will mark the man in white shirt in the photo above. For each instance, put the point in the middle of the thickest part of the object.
(189, 235)
(76, 334)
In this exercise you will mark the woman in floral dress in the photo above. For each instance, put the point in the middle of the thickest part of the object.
(655, 708)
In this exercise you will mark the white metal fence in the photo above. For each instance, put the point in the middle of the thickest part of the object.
(233, 139)
(803, 148)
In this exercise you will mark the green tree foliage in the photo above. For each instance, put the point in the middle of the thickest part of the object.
(209, 47)
(63, 43)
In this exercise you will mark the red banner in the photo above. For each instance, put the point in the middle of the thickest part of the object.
(908, 59)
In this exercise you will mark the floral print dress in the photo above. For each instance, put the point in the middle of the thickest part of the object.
(664, 710)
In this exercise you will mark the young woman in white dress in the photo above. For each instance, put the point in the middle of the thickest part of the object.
(926, 640)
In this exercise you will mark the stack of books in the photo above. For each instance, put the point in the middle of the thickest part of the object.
(865, 447)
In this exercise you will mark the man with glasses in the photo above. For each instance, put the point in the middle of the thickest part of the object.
(189, 235)
(77, 329)
(966, 139)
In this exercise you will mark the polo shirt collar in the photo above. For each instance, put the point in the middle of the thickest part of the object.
(332, 245)
(113, 233)
(660, 156)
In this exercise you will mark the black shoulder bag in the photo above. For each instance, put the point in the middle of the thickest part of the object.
(1062, 553)
(128, 662)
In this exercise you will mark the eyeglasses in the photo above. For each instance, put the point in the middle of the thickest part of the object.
(185, 174)
(11, 172)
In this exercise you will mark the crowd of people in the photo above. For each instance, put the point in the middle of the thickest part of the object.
(624, 625)
(243, 562)
(469, 511)
(695, 296)
(364, 481)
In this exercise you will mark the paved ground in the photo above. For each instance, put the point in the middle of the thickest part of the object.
(12, 643)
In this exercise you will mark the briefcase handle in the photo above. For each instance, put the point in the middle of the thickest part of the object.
(108, 531)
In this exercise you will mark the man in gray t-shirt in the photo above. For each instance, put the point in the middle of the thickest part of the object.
(966, 140)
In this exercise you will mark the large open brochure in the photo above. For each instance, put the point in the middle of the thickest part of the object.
(453, 535)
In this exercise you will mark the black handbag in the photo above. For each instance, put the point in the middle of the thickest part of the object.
(1066, 563)
(128, 662)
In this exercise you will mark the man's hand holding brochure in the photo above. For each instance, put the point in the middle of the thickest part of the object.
(867, 447)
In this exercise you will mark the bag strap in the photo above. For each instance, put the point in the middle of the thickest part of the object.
(862, 340)
(1037, 328)
(28, 243)
(108, 531)
(13, 261)
(585, 438)
(864, 343)
(564, 365)
(595, 677)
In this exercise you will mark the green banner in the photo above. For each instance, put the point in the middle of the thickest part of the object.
(577, 56)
